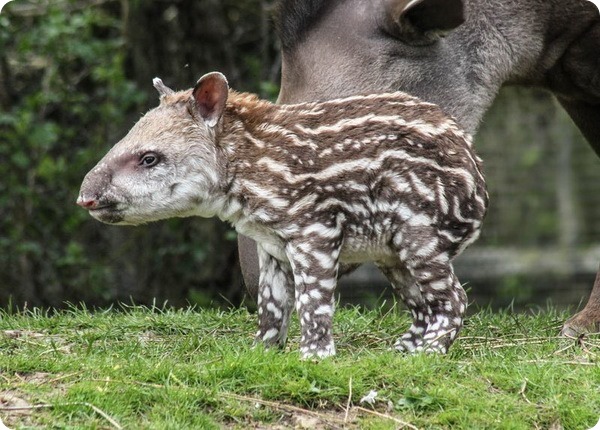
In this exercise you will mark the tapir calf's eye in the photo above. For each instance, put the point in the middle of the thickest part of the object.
(148, 160)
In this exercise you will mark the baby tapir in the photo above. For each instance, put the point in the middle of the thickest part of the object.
(380, 177)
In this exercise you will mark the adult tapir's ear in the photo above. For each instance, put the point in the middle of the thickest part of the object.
(425, 15)
(210, 95)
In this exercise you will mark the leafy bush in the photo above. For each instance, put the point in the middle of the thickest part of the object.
(64, 92)
(75, 76)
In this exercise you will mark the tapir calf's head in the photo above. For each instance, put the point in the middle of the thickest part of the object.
(167, 165)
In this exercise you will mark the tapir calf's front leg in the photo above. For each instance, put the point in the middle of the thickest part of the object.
(275, 300)
(315, 277)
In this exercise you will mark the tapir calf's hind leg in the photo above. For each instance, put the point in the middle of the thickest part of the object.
(436, 301)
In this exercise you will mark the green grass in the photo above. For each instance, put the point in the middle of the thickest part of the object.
(141, 368)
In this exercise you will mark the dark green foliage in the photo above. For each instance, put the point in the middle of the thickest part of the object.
(75, 75)
(63, 91)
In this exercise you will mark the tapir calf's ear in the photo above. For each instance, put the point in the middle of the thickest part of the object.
(210, 95)
(162, 89)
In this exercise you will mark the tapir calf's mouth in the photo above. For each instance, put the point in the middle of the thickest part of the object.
(108, 213)
(104, 206)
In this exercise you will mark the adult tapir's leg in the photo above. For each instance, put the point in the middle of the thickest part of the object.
(576, 80)
(249, 264)
(588, 320)
(586, 116)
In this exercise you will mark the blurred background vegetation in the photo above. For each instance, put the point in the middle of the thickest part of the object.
(76, 74)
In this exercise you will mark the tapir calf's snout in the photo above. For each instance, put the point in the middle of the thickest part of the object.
(93, 192)
(87, 202)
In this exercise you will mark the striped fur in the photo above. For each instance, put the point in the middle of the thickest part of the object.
(381, 177)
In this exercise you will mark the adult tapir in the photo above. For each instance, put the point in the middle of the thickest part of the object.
(456, 53)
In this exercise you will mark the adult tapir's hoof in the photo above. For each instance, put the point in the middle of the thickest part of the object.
(582, 323)
(588, 320)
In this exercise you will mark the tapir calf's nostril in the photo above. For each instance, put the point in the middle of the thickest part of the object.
(87, 203)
